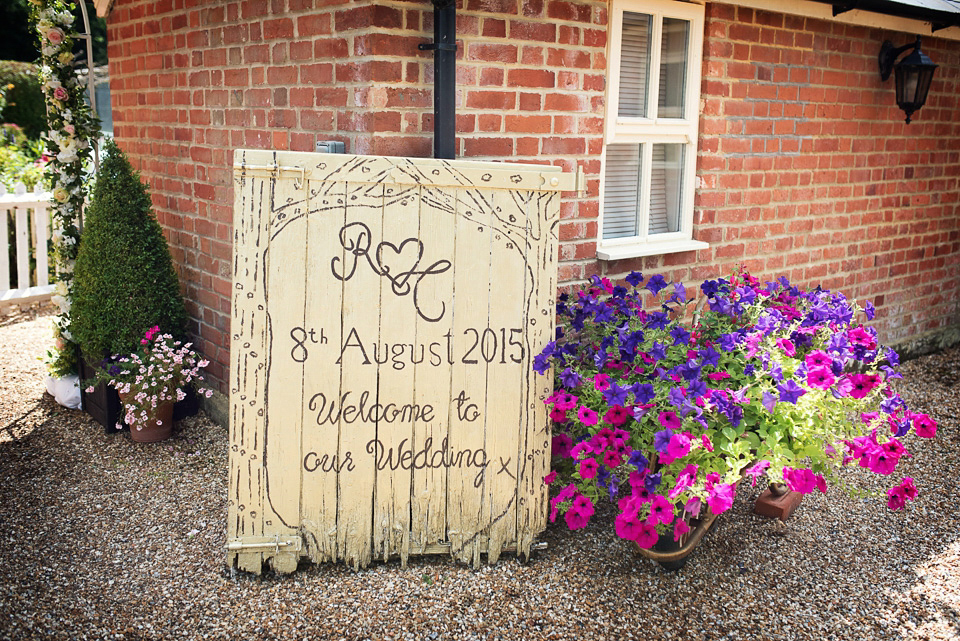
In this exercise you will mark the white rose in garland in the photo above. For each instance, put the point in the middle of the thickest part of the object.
(71, 131)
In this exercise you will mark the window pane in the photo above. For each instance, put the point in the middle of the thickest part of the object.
(673, 66)
(666, 184)
(635, 64)
(621, 191)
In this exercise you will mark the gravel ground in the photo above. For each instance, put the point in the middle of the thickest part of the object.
(101, 538)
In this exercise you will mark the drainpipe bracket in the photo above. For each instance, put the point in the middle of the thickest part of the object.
(436, 46)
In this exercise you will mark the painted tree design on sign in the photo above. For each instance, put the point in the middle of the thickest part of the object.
(385, 315)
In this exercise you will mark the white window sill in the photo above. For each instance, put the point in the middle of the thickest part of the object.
(620, 252)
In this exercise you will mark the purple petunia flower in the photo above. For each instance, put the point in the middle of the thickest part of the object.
(615, 395)
(569, 378)
(643, 392)
(652, 481)
(656, 283)
(790, 392)
(709, 356)
(680, 335)
(638, 460)
(676, 397)
(658, 352)
(697, 388)
(634, 278)
(661, 440)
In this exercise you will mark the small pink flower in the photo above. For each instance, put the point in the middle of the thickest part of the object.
(818, 358)
(55, 36)
(588, 468)
(661, 511)
(924, 426)
(647, 536)
(587, 416)
(60, 94)
(679, 529)
(787, 346)
(561, 445)
(721, 497)
(820, 378)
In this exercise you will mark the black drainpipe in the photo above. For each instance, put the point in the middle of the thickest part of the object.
(444, 48)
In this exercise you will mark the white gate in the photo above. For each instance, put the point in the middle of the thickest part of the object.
(27, 215)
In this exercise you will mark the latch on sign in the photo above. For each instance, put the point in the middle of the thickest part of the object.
(275, 544)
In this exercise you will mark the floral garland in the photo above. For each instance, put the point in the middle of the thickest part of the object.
(72, 129)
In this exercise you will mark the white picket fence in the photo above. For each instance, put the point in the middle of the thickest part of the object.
(29, 215)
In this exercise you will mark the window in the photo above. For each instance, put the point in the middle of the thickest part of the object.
(650, 152)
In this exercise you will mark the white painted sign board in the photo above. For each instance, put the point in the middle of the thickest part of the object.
(385, 316)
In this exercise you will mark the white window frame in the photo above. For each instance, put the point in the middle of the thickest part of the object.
(653, 130)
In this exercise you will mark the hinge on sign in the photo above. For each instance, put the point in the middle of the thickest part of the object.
(266, 544)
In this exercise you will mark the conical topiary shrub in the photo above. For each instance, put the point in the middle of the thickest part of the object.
(124, 281)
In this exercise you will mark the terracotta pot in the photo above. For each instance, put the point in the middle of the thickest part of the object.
(158, 427)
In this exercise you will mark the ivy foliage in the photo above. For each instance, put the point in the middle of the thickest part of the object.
(124, 282)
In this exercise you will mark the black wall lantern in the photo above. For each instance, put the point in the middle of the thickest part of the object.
(913, 74)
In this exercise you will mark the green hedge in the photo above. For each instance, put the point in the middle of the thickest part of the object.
(124, 281)
(24, 97)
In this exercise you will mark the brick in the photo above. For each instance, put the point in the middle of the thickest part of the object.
(540, 31)
(494, 28)
(318, 24)
(569, 58)
(565, 102)
(493, 147)
(493, 52)
(777, 507)
(491, 100)
(531, 78)
(528, 124)
(563, 146)
(277, 29)
(570, 11)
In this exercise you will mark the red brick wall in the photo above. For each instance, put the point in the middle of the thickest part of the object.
(809, 170)
(806, 166)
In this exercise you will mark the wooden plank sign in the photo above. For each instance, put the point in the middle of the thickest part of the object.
(385, 316)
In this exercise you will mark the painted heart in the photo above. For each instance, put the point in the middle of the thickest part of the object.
(399, 263)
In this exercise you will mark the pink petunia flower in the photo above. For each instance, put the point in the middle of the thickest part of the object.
(817, 358)
(720, 498)
(669, 420)
(648, 536)
(679, 529)
(706, 442)
(802, 481)
(924, 426)
(561, 445)
(587, 416)
(588, 468)
(679, 445)
(820, 378)
(787, 346)
(661, 511)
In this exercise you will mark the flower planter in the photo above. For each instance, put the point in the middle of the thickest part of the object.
(103, 403)
(158, 427)
(672, 555)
